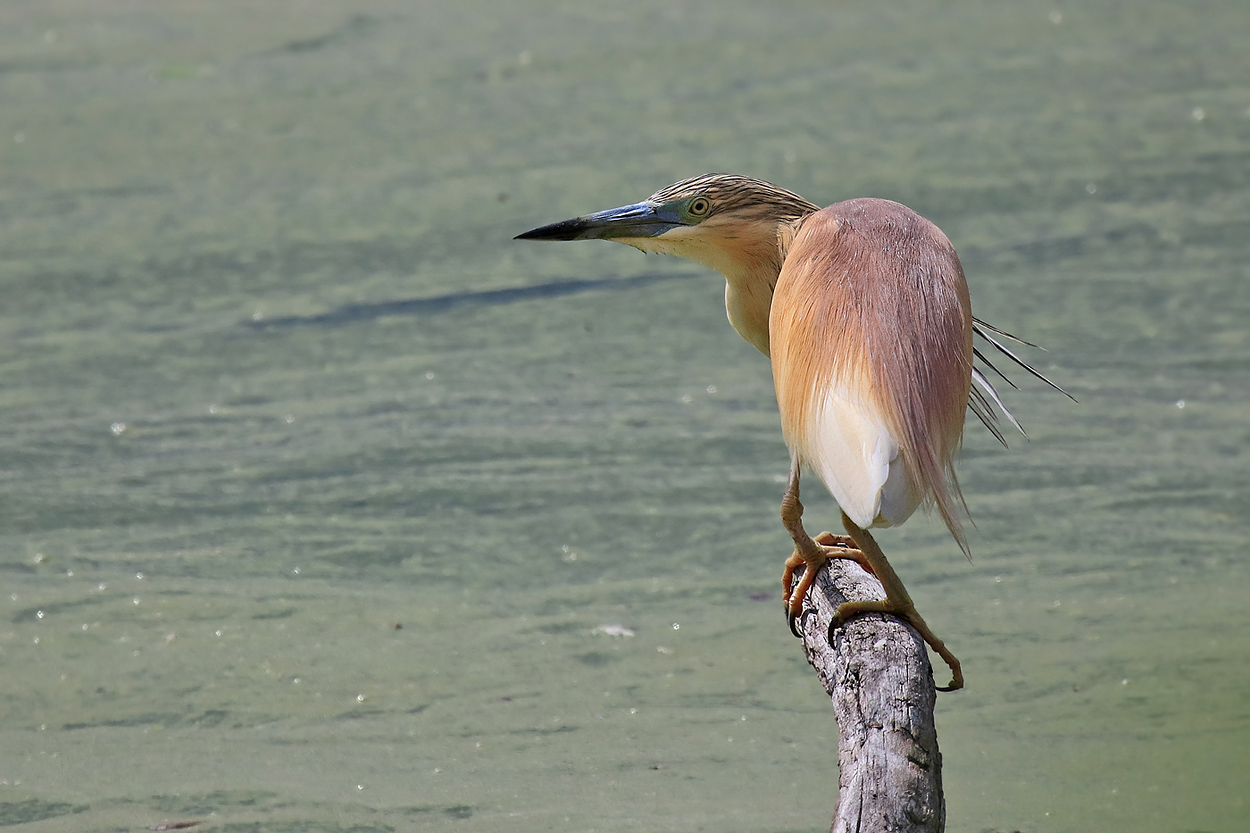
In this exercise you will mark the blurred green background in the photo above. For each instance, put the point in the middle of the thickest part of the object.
(317, 490)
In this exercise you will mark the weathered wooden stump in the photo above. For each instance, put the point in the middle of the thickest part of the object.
(878, 674)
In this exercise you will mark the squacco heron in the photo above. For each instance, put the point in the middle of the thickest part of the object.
(864, 311)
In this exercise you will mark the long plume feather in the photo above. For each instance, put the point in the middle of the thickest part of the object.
(977, 400)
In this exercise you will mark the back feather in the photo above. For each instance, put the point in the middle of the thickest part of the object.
(872, 299)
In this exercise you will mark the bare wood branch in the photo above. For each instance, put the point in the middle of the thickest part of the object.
(879, 677)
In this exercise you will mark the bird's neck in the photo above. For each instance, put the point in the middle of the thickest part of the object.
(748, 298)
(748, 255)
(751, 271)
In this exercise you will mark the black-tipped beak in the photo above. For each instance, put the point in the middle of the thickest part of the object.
(629, 221)
(579, 228)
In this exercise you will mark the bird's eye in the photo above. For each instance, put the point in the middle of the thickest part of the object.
(700, 206)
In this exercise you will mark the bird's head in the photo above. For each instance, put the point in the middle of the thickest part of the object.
(724, 221)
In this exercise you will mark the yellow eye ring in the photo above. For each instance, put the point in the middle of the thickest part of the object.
(700, 206)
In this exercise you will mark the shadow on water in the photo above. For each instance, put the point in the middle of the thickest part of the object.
(351, 313)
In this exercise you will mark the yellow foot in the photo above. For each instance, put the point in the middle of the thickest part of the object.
(906, 612)
(828, 546)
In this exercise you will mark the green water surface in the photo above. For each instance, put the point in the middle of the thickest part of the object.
(317, 490)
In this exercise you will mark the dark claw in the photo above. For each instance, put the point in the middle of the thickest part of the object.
(796, 622)
(834, 623)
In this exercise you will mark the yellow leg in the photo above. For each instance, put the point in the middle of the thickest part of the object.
(810, 554)
(859, 546)
(897, 602)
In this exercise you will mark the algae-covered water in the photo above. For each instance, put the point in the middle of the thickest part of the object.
(326, 506)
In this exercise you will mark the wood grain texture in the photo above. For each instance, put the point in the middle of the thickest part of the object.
(878, 675)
